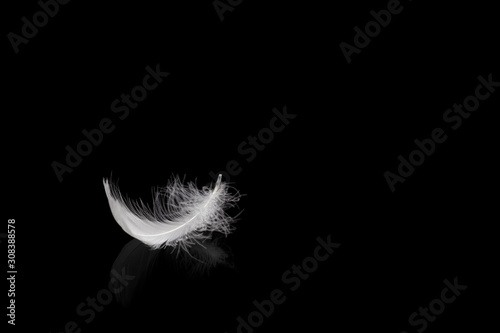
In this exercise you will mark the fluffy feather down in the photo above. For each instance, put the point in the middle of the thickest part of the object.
(182, 215)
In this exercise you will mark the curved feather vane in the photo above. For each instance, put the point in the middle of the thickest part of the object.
(182, 215)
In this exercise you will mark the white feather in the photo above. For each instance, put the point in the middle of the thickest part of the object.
(181, 215)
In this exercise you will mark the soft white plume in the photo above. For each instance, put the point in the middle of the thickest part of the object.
(182, 215)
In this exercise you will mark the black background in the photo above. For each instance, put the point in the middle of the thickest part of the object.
(323, 175)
